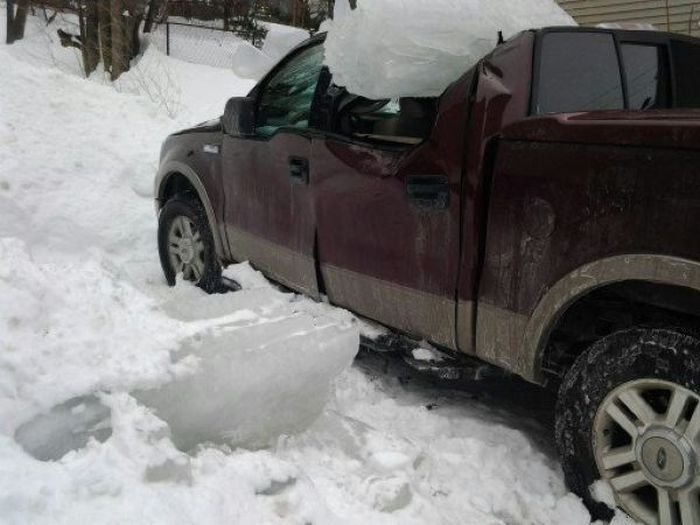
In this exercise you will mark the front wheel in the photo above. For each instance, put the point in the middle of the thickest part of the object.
(186, 245)
(629, 413)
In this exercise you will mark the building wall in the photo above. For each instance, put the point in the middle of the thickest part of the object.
(683, 15)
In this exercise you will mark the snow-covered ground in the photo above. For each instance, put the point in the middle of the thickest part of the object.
(120, 397)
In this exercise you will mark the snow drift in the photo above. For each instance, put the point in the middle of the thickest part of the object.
(401, 48)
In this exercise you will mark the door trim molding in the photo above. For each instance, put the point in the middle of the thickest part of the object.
(413, 311)
(282, 264)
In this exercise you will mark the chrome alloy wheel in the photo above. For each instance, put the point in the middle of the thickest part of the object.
(646, 438)
(186, 249)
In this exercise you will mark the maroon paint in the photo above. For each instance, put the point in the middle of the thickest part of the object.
(260, 196)
(366, 222)
(557, 206)
(502, 96)
(667, 128)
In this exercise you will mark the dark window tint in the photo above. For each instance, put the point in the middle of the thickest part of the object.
(578, 72)
(645, 71)
(287, 97)
(686, 62)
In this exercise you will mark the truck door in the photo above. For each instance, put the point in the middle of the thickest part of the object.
(269, 210)
(387, 186)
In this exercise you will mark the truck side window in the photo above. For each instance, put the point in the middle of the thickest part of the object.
(286, 98)
(578, 72)
(686, 58)
(646, 75)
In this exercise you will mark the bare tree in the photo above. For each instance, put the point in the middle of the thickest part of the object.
(112, 32)
(227, 15)
(153, 6)
(16, 20)
(120, 52)
(91, 37)
(104, 16)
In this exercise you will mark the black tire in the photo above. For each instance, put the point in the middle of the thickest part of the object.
(639, 353)
(210, 280)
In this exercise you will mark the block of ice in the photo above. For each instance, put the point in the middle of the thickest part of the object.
(416, 48)
(253, 384)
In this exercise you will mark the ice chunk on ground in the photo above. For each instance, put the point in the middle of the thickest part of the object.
(252, 385)
(400, 48)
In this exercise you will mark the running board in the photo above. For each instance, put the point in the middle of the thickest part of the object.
(427, 359)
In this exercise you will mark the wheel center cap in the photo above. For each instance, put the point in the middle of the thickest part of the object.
(666, 458)
(186, 250)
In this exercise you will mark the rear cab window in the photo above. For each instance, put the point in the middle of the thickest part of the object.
(587, 70)
(578, 71)
(646, 73)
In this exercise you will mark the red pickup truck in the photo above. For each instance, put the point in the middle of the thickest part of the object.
(542, 215)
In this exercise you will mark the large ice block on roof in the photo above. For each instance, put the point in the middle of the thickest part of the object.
(416, 48)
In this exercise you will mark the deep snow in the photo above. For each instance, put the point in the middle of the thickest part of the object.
(89, 333)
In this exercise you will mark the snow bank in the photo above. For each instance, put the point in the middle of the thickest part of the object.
(281, 39)
(83, 307)
(73, 327)
(225, 50)
(395, 48)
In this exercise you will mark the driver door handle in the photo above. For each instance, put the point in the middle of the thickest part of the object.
(428, 192)
(299, 170)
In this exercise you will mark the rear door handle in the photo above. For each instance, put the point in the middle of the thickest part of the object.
(428, 192)
(299, 170)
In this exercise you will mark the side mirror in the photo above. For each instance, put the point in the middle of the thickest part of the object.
(239, 117)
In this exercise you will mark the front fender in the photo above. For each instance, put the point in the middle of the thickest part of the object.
(170, 168)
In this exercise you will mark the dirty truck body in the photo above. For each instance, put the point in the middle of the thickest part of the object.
(478, 239)
(553, 201)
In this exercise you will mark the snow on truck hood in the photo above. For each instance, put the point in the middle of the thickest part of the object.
(416, 48)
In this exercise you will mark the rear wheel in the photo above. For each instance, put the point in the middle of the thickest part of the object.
(629, 413)
(186, 245)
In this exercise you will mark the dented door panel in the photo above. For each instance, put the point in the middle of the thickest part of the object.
(381, 253)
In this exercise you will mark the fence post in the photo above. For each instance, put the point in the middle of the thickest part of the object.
(167, 38)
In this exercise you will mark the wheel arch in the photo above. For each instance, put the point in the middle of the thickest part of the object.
(656, 273)
(169, 180)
